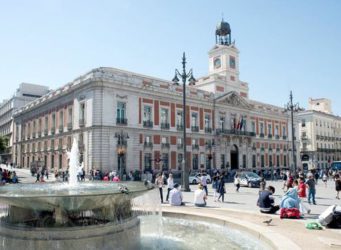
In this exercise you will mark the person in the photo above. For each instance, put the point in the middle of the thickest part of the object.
(15, 178)
(266, 201)
(298, 187)
(221, 188)
(337, 185)
(237, 182)
(262, 184)
(290, 199)
(200, 197)
(215, 187)
(290, 181)
(324, 179)
(285, 177)
(175, 196)
(170, 185)
(38, 177)
(203, 179)
(311, 188)
(159, 183)
(116, 178)
(316, 176)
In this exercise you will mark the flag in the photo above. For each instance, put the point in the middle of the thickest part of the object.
(241, 123)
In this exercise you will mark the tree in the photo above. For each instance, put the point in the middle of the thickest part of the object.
(3, 143)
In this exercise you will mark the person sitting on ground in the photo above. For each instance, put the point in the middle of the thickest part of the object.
(290, 199)
(116, 178)
(200, 197)
(337, 185)
(262, 184)
(266, 201)
(15, 178)
(175, 196)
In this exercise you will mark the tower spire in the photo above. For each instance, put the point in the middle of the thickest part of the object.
(223, 32)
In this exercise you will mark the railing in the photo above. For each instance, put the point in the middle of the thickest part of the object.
(261, 135)
(61, 128)
(208, 146)
(180, 146)
(53, 130)
(121, 121)
(122, 143)
(195, 129)
(254, 148)
(277, 137)
(34, 135)
(69, 126)
(164, 125)
(46, 132)
(148, 144)
(147, 124)
(81, 122)
(208, 130)
(39, 134)
(165, 145)
(179, 127)
(195, 147)
(234, 132)
(269, 135)
(284, 137)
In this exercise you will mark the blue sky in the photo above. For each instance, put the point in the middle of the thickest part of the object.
(284, 44)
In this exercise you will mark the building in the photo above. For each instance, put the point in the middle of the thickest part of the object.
(25, 93)
(320, 133)
(128, 121)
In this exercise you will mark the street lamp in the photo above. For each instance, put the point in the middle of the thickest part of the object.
(121, 149)
(292, 108)
(184, 76)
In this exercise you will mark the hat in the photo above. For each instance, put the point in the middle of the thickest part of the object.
(176, 185)
(200, 186)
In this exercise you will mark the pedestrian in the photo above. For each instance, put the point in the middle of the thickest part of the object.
(337, 185)
(38, 177)
(285, 177)
(237, 182)
(200, 197)
(298, 186)
(316, 176)
(47, 174)
(170, 185)
(311, 188)
(221, 188)
(215, 187)
(159, 183)
(204, 182)
(324, 179)
(175, 196)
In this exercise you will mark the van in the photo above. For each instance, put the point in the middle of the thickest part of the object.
(336, 166)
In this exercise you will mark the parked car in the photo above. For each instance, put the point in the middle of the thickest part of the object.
(194, 178)
(249, 179)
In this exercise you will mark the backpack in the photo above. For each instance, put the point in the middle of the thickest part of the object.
(290, 213)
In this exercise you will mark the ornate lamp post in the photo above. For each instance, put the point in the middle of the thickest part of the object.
(290, 107)
(121, 149)
(184, 76)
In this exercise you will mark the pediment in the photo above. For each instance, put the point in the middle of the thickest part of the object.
(232, 98)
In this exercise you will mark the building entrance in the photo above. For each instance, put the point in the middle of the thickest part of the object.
(234, 157)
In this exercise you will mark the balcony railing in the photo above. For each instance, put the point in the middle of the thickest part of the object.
(195, 147)
(81, 122)
(195, 129)
(269, 135)
(234, 132)
(277, 137)
(61, 128)
(179, 127)
(60, 147)
(208, 146)
(69, 126)
(164, 125)
(208, 130)
(121, 121)
(148, 144)
(284, 137)
(122, 143)
(165, 145)
(39, 134)
(46, 132)
(180, 146)
(147, 124)
(254, 148)
(34, 135)
(261, 135)
(53, 130)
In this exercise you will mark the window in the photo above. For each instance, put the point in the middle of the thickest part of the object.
(207, 121)
(179, 121)
(194, 119)
(261, 128)
(208, 161)
(277, 160)
(195, 161)
(164, 140)
(284, 131)
(276, 130)
(270, 160)
(222, 161)
(121, 111)
(232, 62)
(194, 141)
(165, 162)
(253, 127)
(180, 161)
(69, 118)
(147, 138)
(284, 160)
(69, 142)
(46, 122)
(222, 122)
(147, 113)
(244, 161)
(269, 129)
(262, 161)
(179, 140)
(164, 116)
(82, 111)
(253, 161)
(303, 123)
(148, 162)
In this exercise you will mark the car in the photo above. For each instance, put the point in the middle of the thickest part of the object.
(249, 179)
(194, 178)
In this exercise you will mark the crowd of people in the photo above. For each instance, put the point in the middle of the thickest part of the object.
(7, 176)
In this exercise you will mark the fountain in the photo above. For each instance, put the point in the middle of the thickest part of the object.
(86, 215)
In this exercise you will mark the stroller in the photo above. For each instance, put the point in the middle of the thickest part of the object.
(331, 217)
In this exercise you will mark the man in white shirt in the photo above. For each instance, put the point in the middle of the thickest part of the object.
(203, 180)
(170, 185)
(175, 196)
(200, 197)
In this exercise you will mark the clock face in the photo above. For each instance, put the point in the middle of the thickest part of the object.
(217, 63)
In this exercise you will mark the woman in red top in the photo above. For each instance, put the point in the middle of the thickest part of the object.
(302, 189)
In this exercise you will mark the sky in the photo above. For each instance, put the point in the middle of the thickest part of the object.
(284, 44)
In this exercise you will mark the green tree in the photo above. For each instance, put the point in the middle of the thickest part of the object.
(3, 143)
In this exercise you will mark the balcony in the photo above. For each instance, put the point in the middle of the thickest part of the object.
(148, 145)
(304, 138)
(81, 146)
(269, 135)
(277, 137)
(46, 132)
(122, 143)
(60, 147)
(261, 135)
(33, 135)
(254, 148)
(53, 130)
(208, 130)
(164, 125)
(278, 149)
(61, 128)
(208, 146)
(284, 137)
(39, 134)
(81, 122)
(195, 147)
(147, 124)
(180, 146)
(69, 126)
(234, 132)
(179, 127)
(195, 129)
(165, 145)
(121, 121)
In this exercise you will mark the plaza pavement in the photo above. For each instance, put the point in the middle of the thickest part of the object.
(241, 207)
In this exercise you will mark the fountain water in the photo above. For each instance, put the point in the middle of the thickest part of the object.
(73, 155)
